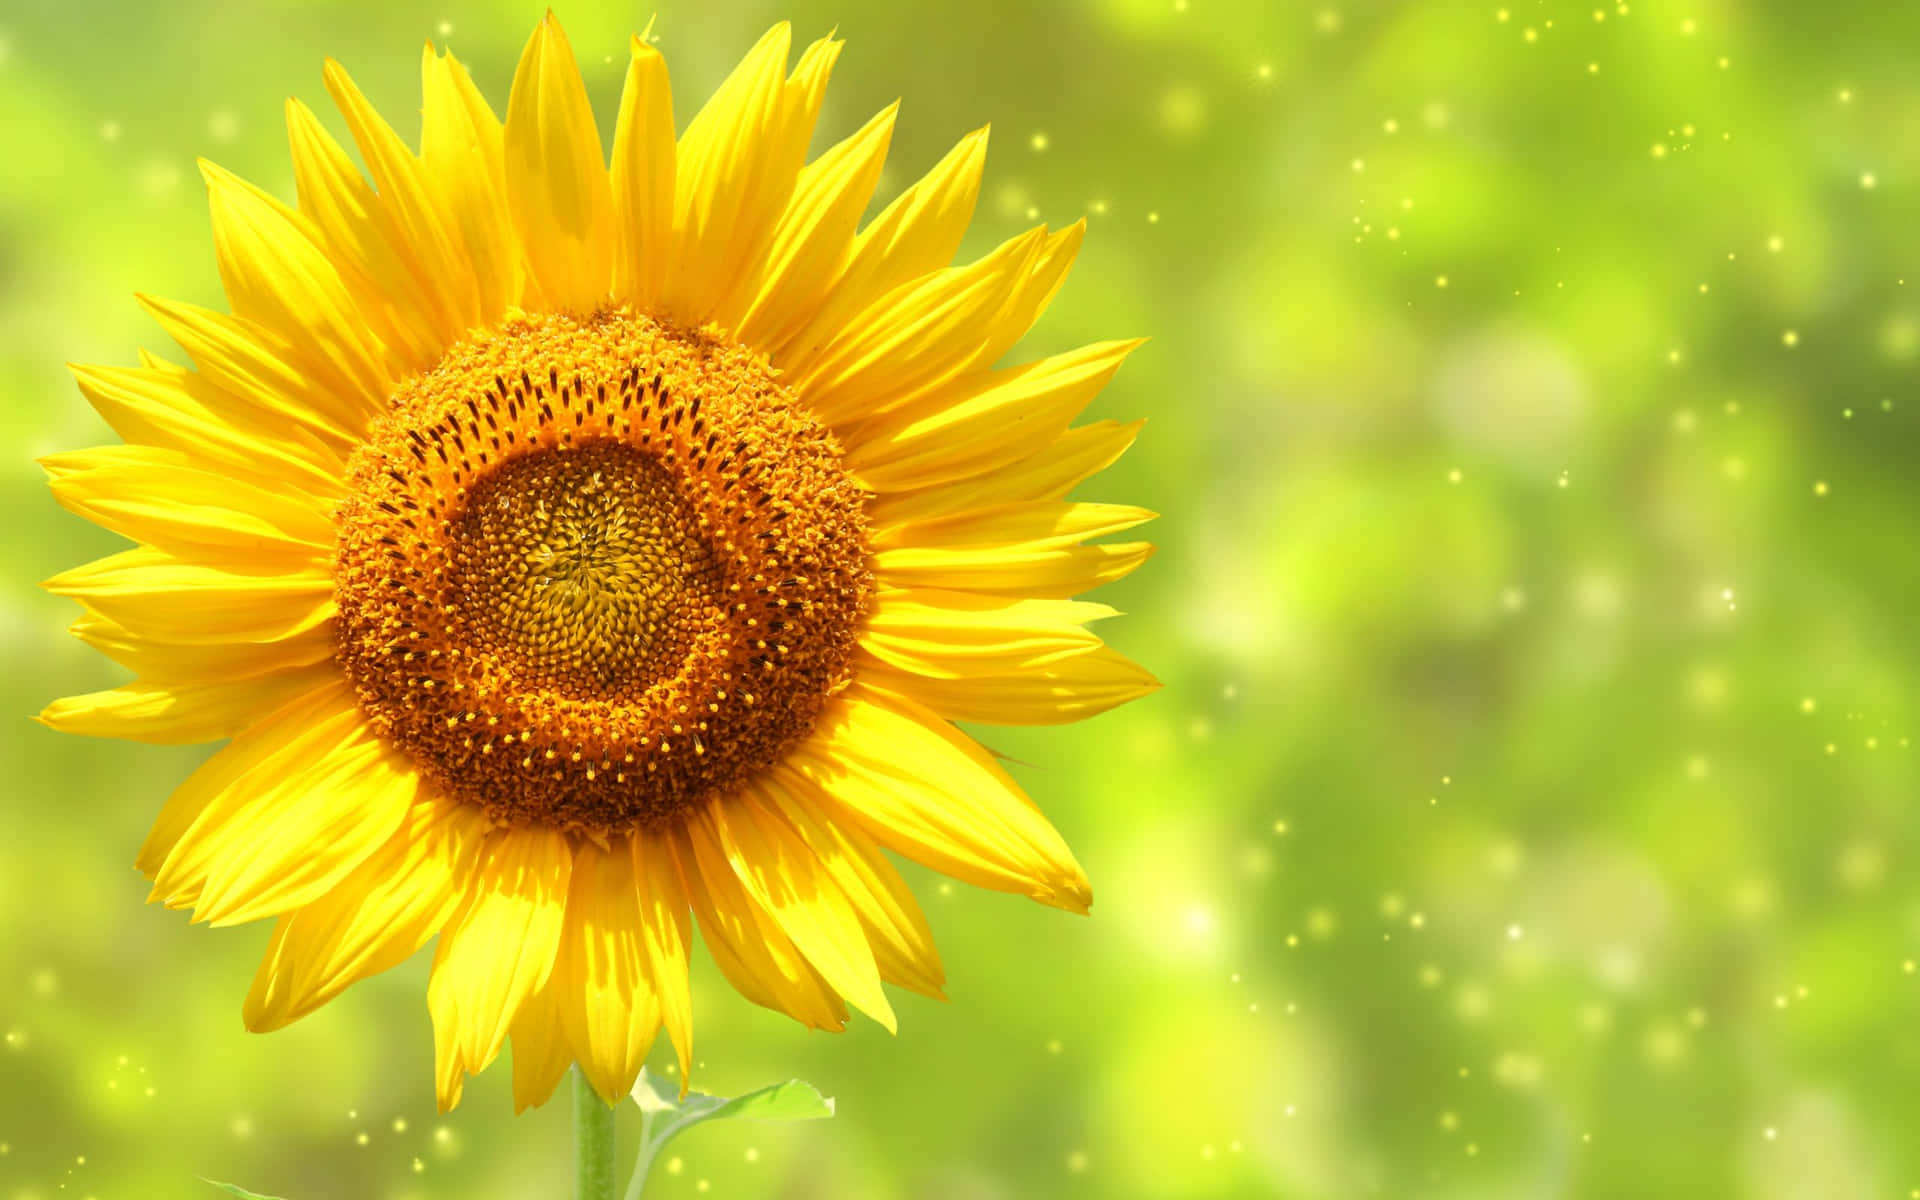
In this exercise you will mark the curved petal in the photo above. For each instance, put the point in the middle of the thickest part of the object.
(292, 823)
(1036, 290)
(410, 209)
(375, 918)
(644, 168)
(747, 944)
(959, 635)
(277, 276)
(541, 1055)
(1041, 524)
(980, 420)
(925, 790)
(496, 951)
(557, 184)
(917, 233)
(272, 734)
(1027, 549)
(364, 241)
(896, 929)
(153, 594)
(1066, 689)
(736, 167)
(1022, 569)
(783, 875)
(160, 498)
(777, 172)
(665, 937)
(918, 337)
(1046, 474)
(814, 236)
(600, 983)
(173, 409)
(255, 364)
(463, 153)
(176, 714)
(160, 660)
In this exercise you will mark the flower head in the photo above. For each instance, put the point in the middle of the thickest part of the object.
(572, 552)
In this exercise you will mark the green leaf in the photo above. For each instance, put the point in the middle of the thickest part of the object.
(789, 1101)
(656, 1095)
(794, 1100)
(237, 1190)
(667, 1116)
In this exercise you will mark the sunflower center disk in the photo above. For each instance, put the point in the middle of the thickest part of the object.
(582, 570)
(594, 570)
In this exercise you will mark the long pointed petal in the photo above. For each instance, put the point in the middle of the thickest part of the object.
(665, 938)
(925, 790)
(496, 951)
(607, 1004)
(811, 243)
(374, 919)
(784, 876)
(463, 153)
(275, 274)
(557, 174)
(644, 167)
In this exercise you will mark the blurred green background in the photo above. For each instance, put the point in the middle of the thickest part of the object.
(1530, 811)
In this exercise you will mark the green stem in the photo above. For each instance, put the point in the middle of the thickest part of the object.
(592, 1142)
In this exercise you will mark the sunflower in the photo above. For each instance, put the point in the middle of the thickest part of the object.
(572, 552)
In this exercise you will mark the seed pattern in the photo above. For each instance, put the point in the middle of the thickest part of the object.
(593, 570)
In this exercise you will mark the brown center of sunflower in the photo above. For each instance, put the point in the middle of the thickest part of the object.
(594, 569)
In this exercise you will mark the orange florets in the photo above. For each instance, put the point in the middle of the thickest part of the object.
(594, 569)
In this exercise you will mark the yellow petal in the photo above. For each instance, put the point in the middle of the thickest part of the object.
(557, 174)
(918, 337)
(541, 1055)
(925, 790)
(664, 938)
(786, 879)
(814, 236)
(958, 635)
(291, 826)
(1046, 474)
(607, 1006)
(375, 918)
(1066, 689)
(277, 276)
(747, 944)
(172, 409)
(919, 232)
(183, 713)
(364, 241)
(463, 153)
(273, 734)
(157, 497)
(981, 420)
(297, 839)
(643, 179)
(1026, 549)
(1029, 569)
(256, 365)
(735, 168)
(1040, 524)
(777, 171)
(894, 925)
(496, 951)
(423, 234)
(1036, 289)
(155, 595)
(163, 661)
